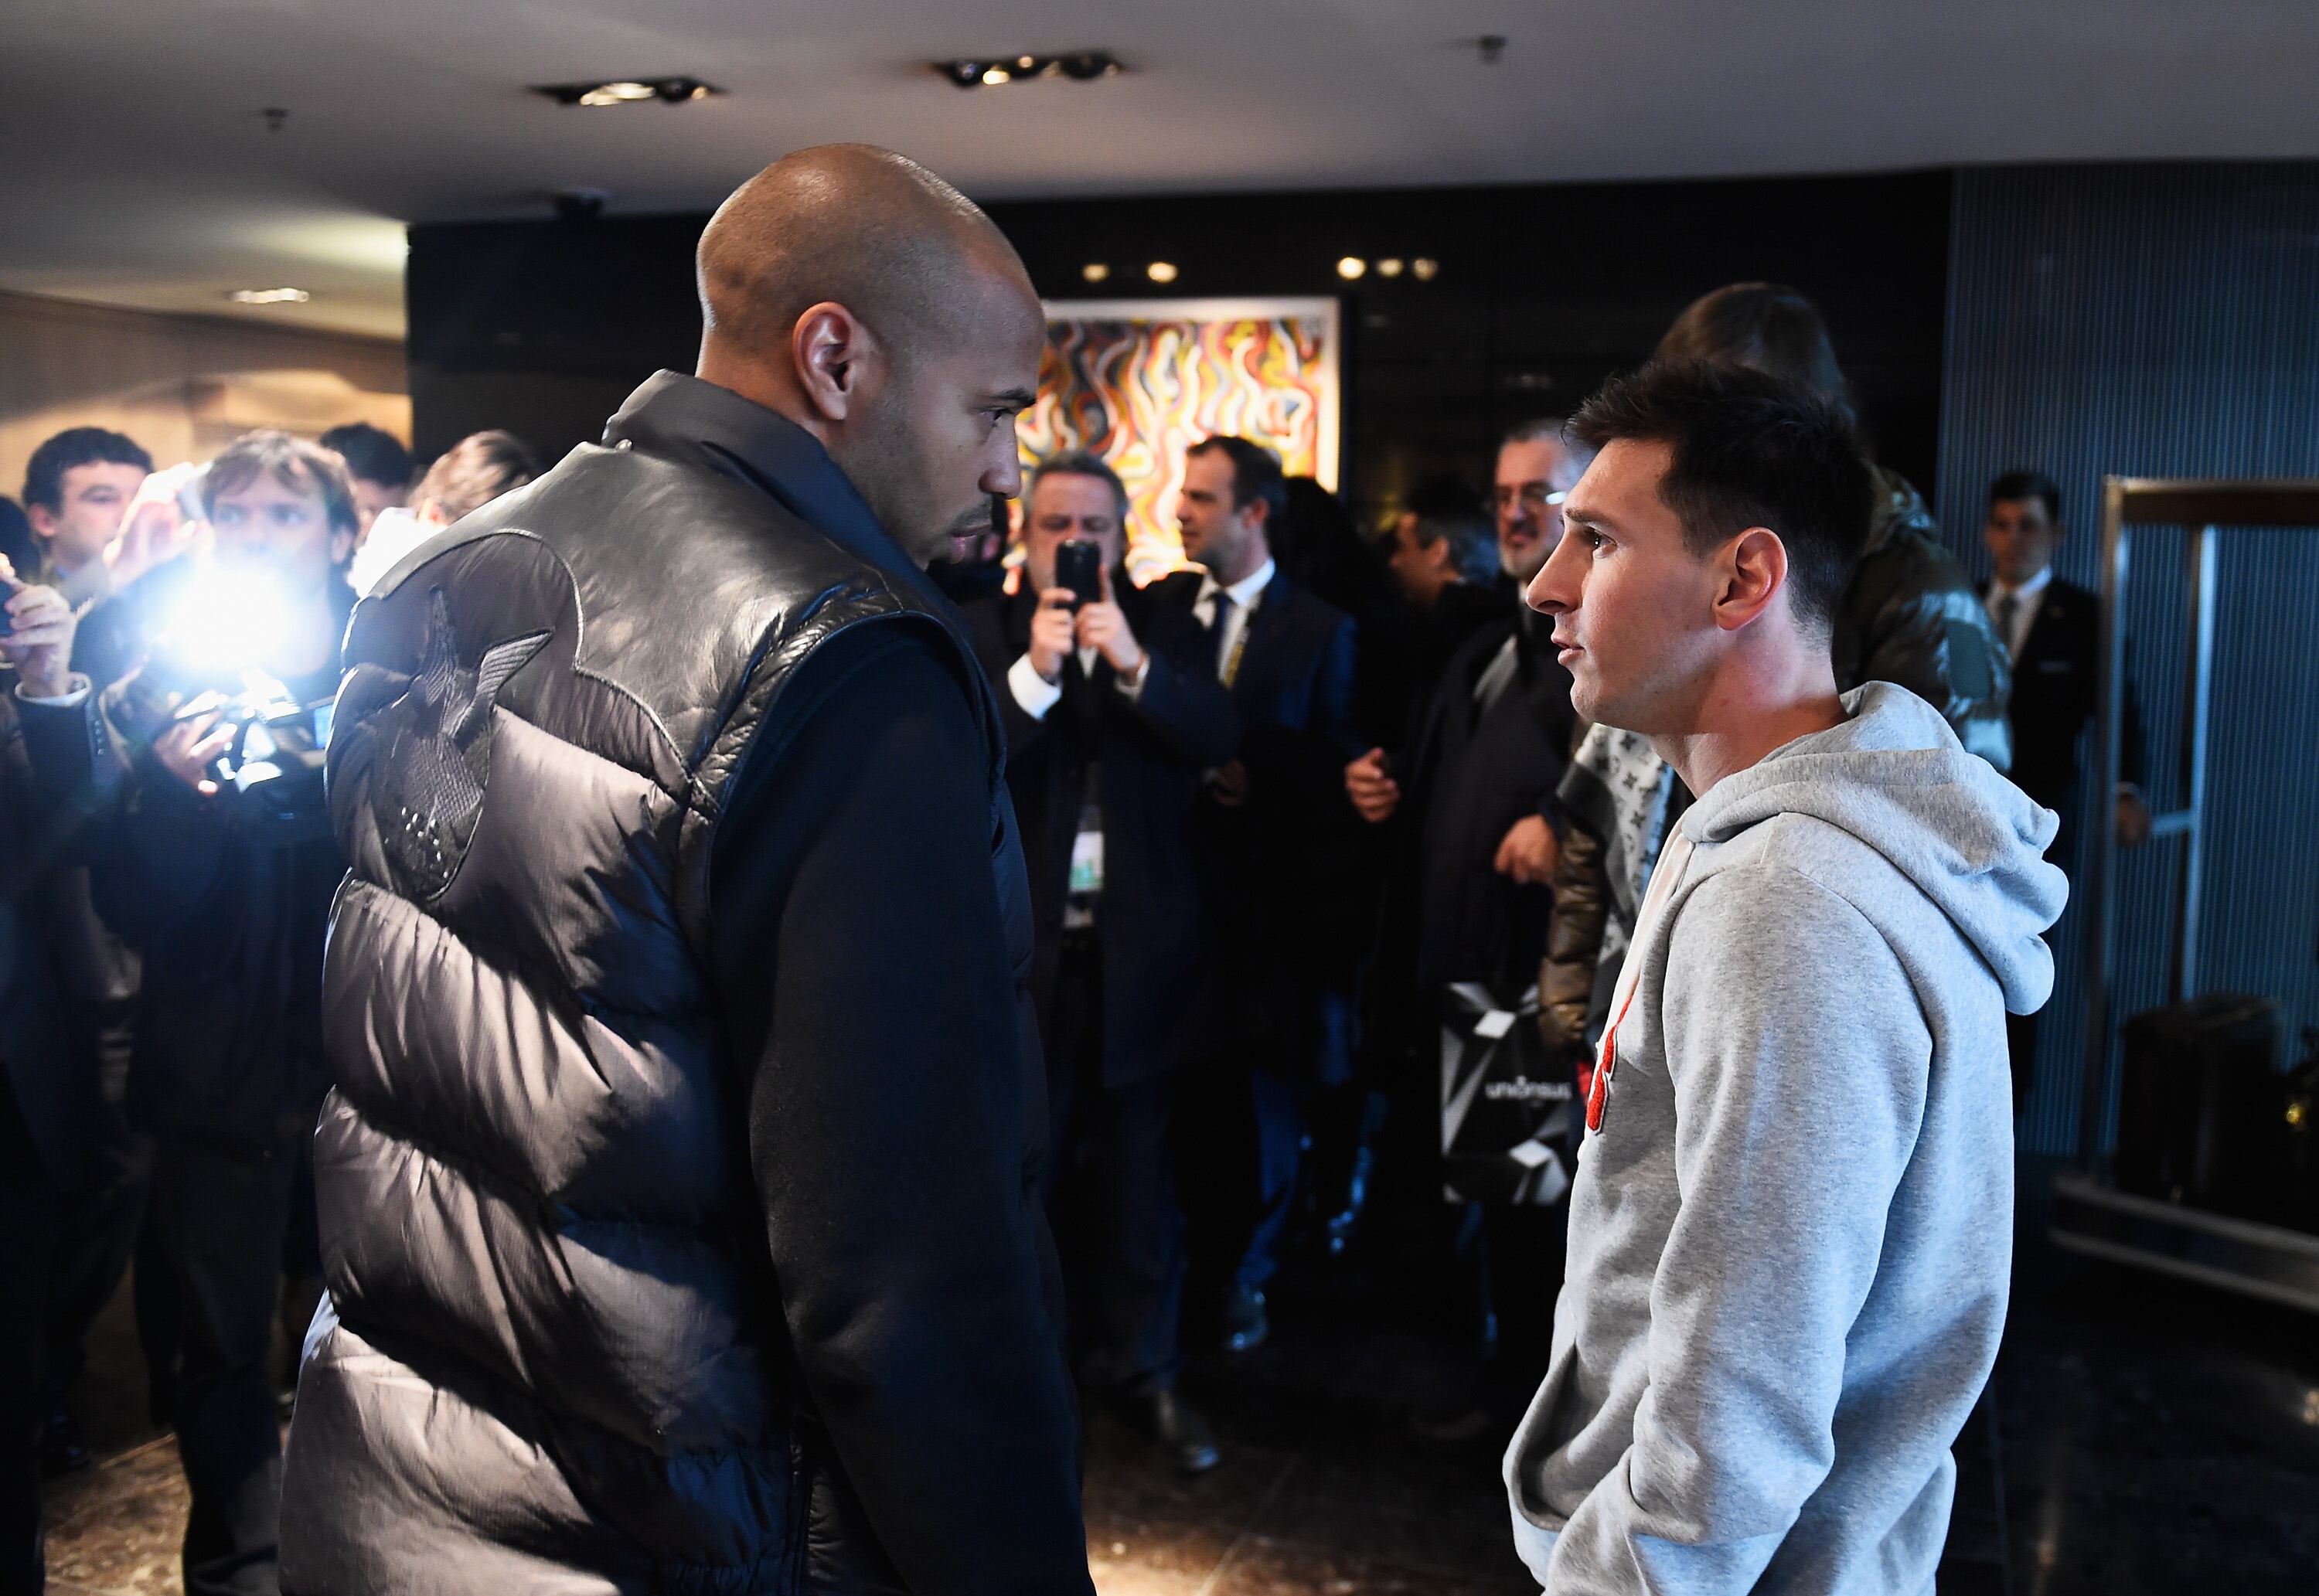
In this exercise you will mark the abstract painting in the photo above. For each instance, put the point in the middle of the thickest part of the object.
(1138, 381)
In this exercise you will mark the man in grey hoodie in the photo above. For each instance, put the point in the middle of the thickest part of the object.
(1790, 1231)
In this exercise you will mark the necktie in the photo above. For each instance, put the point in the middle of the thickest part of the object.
(1228, 664)
(2008, 610)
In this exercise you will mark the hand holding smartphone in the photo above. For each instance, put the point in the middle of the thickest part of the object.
(1079, 566)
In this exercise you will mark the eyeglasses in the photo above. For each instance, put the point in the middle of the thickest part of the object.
(1533, 495)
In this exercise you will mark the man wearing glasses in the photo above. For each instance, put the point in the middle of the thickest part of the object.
(1471, 791)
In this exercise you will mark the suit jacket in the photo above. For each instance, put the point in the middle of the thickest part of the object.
(2055, 684)
(1473, 772)
(1160, 986)
(1277, 865)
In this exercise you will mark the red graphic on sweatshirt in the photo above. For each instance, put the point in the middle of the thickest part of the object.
(1598, 1090)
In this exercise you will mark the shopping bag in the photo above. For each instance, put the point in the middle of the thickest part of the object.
(1507, 1111)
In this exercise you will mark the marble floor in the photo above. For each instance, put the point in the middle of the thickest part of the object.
(2141, 1438)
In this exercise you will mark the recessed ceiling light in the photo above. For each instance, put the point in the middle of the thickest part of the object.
(1390, 267)
(1160, 271)
(269, 296)
(1352, 267)
(1424, 270)
(977, 71)
(628, 91)
(1094, 271)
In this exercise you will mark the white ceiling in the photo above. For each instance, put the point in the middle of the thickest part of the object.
(135, 167)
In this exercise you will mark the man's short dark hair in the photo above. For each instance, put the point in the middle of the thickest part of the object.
(44, 473)
(1750, 450)
(473, 472)
(1256, 473)
(294, 463)
(1446, 506)
(371, 453)
(2016, 485)
(1765, 326)
(1081, 463)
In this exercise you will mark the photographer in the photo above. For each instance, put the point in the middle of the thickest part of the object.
(42, 1152)
(198, 777)
(1112, 715)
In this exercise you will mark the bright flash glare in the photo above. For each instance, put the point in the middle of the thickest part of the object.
(228, 621)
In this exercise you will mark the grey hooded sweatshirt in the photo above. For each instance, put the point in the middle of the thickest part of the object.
(1791, 1233)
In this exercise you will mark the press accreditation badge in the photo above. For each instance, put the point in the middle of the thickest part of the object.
(1086, 864)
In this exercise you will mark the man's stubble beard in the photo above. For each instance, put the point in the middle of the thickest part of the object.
(886, 468)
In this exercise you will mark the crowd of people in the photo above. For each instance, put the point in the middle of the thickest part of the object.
(1302, 826)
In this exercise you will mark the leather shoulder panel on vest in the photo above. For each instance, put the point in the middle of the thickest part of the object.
(684, 581)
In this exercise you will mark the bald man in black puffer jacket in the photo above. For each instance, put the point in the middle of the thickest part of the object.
(679, 1194)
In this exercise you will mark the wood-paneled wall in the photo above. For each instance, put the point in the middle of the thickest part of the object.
(181, 385)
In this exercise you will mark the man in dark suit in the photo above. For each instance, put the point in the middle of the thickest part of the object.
(1112, 713)
(1275, 828)
(2052, 630)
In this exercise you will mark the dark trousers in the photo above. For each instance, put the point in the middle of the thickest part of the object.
(1255, 1109)
(1112, 1196)
(97, 1225)
(218, 1225)
(1241, 1145)
(28, 1214)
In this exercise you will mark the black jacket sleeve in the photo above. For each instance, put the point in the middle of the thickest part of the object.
(1189, 711)
(862, 969)
(157, 852)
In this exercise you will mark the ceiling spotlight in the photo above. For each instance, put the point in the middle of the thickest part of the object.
(628, 91)
(1160, 271)
(269, 296)
(1424, 270)
(977, 71)
(1094, 271)
(1352, 267)
(1390, 267)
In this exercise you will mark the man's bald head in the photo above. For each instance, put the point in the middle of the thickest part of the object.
(867, 301)
(854, 225)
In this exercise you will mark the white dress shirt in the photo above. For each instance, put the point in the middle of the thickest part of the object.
(71, 696)
(1035, 695)
(2026, 599)
(1244, 594)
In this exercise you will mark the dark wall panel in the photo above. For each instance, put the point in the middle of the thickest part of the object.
(2162, 321)
(1541, 292)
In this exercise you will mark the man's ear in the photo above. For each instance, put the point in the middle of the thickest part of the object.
(837, 358)
(43, 521)
(1754, 569)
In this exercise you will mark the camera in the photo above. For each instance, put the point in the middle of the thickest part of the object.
(205, 635)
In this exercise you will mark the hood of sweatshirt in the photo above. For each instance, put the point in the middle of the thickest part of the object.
(1894, 776)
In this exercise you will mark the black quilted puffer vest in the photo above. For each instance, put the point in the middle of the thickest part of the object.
(552, 1358)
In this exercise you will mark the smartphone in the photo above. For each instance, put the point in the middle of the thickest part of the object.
(1079, 566)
